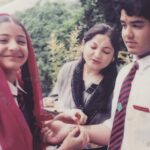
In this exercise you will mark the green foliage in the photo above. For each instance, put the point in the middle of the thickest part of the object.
(56, 28)
(59, 54)
(100, 11)
(93, 12)
(124, 57)
(44, 21)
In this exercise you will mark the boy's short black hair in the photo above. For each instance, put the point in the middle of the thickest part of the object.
(140, 8)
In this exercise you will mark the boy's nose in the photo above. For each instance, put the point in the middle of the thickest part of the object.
(128, 32)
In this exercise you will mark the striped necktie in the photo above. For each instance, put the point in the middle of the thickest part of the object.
(119, 119)
(20, 99)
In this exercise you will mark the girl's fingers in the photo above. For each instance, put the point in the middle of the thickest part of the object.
(81, 117)
(75, 132)
(84, 137)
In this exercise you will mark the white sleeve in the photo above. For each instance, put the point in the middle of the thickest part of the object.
(0, 147)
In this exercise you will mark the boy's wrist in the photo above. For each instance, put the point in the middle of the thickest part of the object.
(87, 128)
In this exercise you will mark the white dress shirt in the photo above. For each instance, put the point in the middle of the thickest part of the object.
(137, 122)
(14, 90)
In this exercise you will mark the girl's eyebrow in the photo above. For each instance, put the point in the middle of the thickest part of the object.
(107, 47)
(3, 34)
(22, 36)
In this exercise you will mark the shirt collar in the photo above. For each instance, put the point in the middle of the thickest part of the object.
(144, 62)
(14, 88)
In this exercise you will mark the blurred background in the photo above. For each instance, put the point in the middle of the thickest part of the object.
(57, 27)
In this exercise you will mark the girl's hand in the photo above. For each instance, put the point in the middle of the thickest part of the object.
(55, 131)
(76, 140)
(74, 116)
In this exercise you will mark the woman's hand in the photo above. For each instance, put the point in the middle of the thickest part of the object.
(76, 140)
(74, 116)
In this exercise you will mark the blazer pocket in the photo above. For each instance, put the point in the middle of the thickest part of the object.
(141, 108)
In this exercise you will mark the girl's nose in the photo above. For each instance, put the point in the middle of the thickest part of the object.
(97, 53)
(13, 45)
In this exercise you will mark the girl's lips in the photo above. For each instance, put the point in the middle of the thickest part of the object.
(95, 61)
(13, 56)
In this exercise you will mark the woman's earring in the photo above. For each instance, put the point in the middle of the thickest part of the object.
(113, 59)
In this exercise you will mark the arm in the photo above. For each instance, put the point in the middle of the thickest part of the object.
(75, 140)
(98, 134)
(56, 131)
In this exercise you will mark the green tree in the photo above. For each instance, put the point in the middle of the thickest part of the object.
(42, 21)
(96, 11)
(93, 13)
(59, 54)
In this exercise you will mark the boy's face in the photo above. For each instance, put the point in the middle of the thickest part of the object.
(13, 47)
(135, 33)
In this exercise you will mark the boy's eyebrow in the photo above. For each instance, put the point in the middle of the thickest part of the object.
(137, 22)
(134, 22)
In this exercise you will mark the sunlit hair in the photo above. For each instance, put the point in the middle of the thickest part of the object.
(8, 18)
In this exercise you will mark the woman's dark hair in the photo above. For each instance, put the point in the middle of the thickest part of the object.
(140, 8)
(110, 72)
(103, 29)
(106, 87)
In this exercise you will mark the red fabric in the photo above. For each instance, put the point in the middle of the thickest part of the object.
(36, 84)
(14, 131)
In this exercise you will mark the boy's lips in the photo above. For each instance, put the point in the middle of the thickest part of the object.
(130, 43)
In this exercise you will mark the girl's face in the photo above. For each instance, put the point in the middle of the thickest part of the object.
(98, 52)
(13, 46)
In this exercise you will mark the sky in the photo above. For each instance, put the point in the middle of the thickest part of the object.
(17, 5)
(21, 5)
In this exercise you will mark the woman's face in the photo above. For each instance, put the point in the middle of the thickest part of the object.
(98, 52)
(13, 46)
